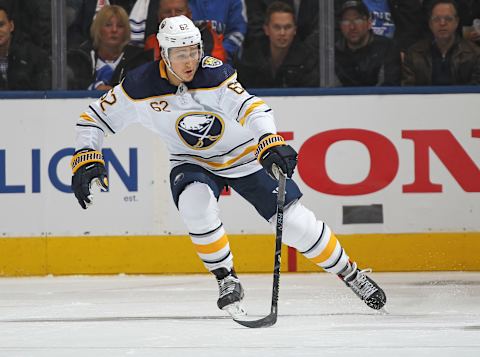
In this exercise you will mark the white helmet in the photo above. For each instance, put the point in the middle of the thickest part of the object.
(178, 31)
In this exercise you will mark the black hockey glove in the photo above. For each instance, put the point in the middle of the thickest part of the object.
(88, 167)
(273, 154)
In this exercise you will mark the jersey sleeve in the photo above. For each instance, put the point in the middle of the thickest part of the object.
(248, 110)
(109, 114)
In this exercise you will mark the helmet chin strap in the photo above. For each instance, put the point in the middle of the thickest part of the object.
(169, 67)
(173, 72)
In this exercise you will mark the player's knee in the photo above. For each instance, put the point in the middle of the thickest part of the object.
(300, 227)
(198, 208)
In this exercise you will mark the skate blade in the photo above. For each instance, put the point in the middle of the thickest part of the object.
(235, 310)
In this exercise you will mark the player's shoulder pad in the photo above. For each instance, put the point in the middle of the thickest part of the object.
(211, 73)
(145, 81)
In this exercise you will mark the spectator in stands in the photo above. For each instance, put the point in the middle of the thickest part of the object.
(212, 40)
(23, 65)
(280, 60)
(361, 57)
(400, 20)
(142, 18)
(102, 62)
(468, 16)
(227, 17)
(445, 58)
(306, 18)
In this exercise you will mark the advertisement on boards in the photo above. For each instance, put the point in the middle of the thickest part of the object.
(367, 164)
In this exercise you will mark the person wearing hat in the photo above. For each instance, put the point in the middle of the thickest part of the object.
(361, 57)
(400, 20)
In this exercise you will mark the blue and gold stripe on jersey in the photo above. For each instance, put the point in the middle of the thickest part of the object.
(219, 162)
(248, 106)
(90, 122)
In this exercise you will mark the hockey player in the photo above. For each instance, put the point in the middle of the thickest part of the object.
(217, 134)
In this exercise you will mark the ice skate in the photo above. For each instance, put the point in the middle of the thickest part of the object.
(365, 288)
(230, 292)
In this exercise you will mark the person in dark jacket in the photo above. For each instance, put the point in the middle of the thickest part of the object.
(406, 16)
(23, 65)
(306, 18)
(102, 63)
(445, 58)
(362, 58)
(279, 61)
(468, 18)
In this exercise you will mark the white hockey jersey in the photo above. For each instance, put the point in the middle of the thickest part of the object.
(211, 121)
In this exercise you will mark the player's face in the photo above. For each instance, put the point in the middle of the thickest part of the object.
(355, 27)
(184, 61)
(281, 29)
(6, 28)
(170, 8)
(443, 22)
(112, 33)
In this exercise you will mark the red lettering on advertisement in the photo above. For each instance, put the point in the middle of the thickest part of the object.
(383, 162)
(451, 154)
(287, 135)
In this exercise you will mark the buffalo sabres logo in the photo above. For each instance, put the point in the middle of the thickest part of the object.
(200, 130)
(211, 62)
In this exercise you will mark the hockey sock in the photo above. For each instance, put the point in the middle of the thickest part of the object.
(347, 270)
(327, 252)
(314, 239)
(199, 210)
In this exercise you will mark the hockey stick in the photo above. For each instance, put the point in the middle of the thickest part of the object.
(270, 320)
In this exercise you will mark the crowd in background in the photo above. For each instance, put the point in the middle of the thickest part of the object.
(271, 43)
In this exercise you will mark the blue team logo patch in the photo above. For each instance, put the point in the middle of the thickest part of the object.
(211, 62)
(200, 130)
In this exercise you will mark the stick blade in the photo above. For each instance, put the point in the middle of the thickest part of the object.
(267, 321)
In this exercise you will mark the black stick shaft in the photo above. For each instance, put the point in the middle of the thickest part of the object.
(271, 319)
(278, 243)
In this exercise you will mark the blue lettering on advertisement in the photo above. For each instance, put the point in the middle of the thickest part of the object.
(4, 188)
(35, 170)
(128, 177)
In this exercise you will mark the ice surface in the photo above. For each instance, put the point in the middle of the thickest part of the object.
(430, 314)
